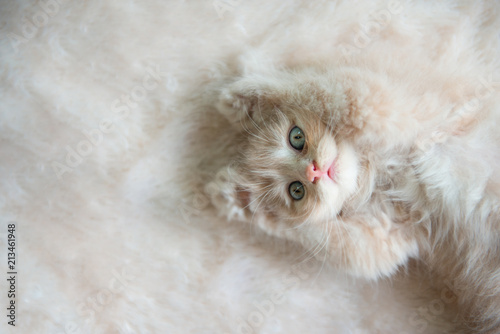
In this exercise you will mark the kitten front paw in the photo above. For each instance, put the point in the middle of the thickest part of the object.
(224, 195)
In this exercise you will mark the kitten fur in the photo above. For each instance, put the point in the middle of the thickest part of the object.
(415, 174)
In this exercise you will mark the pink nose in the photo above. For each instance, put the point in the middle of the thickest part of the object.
(313, 172)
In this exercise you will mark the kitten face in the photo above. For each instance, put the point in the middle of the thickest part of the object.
(297, 184)
(297, 170)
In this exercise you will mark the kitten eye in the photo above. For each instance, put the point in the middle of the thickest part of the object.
(296, 190)
(297, 138)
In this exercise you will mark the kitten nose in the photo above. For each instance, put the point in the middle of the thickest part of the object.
(313, 172)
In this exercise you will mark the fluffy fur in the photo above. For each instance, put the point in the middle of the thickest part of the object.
(133, 207)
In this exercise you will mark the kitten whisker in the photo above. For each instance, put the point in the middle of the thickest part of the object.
(342, 241)
(257, 127)
(255, 123)
(251, 133)
(266, 187)
(327, 244)
(321, 245)
(307, 213)
(260, 202)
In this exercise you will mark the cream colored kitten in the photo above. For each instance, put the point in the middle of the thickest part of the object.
(366, 171)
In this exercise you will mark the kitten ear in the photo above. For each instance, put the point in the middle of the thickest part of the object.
(247, 99)
(228, 196)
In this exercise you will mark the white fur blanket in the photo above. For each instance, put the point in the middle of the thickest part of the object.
(103, 128)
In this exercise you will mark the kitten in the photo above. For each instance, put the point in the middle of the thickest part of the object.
(347, 163)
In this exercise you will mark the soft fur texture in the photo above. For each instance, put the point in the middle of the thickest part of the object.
(110, 133)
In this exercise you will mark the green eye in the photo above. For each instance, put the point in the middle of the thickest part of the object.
(296, 190)
(297, 138)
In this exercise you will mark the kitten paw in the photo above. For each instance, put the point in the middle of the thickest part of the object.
(224, 195)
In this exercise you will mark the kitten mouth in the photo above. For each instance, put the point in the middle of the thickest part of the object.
(332, 172)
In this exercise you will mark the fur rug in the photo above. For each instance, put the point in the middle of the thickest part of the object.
(107, 136)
